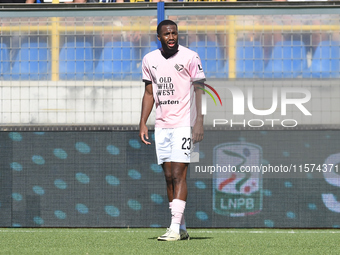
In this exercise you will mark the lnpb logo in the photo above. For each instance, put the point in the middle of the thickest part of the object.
(235, 192)
(204, 101)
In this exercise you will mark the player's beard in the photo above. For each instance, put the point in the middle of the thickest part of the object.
(170, 51)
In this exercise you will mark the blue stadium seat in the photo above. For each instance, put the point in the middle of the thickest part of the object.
(141, 52)
(288, 60)
(325, 62)
(4, 59)
(76, 61)
(249, 59)
(211, 56)
(117, 61)
(33, 61)
(151, 47)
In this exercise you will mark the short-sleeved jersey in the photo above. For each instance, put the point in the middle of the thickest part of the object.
(172, 86)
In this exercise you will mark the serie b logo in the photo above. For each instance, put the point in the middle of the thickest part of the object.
(237, 191)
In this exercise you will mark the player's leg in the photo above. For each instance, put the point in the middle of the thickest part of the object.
(168, 179)
(170, 191)
(176, 181)
(181, 191)
(179, 179)
(163, 151)
(181, 157)
(179, 173)
(169, 183)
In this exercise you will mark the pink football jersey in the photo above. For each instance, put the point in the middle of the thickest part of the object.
(172, 86)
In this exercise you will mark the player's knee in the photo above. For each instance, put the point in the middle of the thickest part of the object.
(177, 180)
(168, 179)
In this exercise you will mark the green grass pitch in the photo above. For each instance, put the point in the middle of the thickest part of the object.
(144, 241)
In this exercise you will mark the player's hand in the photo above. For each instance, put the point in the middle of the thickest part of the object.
(143, 134)
(197, 132)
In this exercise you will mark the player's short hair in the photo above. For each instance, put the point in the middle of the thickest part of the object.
(165, 22)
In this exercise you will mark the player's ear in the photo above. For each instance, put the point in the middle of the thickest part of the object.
(159, 39)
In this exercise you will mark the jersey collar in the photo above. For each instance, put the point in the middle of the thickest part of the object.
(166, 56)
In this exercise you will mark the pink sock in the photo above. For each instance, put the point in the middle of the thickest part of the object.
(183, 225)
(178, 207)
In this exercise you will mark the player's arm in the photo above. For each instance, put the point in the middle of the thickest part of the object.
(198, 130)
(147, 104)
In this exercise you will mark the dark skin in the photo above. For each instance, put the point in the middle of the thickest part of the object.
(175, 172)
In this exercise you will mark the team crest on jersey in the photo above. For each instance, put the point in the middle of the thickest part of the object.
(179, 67)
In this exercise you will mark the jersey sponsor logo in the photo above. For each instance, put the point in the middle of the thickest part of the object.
(168, 102)
(179, 67)
(165, 87)
(155, 67)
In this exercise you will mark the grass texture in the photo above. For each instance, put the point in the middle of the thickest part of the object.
(144, 241)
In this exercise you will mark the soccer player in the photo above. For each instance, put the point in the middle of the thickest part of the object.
(172, 75)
